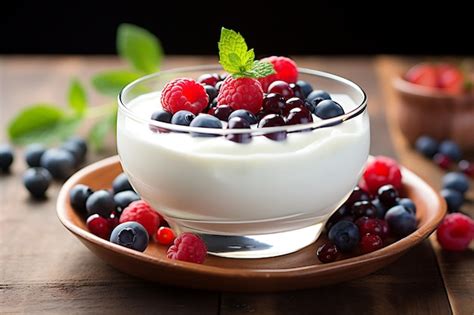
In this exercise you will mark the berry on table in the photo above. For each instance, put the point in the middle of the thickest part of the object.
(381, 171)
(327, 253)
(162, 115)
(345, 235)
(401, 221)
(455, 232)
(78, 197)
(318, 94)
(326, 109)
(273, 120)
(75, 150)
(305, 87)
(241, 93)
(124, 198)
(363, 208)
(37, 181)
(98, 226)
(33, 154)
(442, 160)
(282, 88)
(80, 143)
(165, 236)
(466, 167)
(456, 181)
(454, 199)
(188, 247)
(141, 212)
(182, 118)
(244, 114)
(370, 242)
(450, 149)
(59, 162)
(121, 183)
(184, 94)
(408, 204)
(223, 112)
(131, 235)
(427, 146)
(100, 202)
(239, 123)
(205, 121)
(388, 195)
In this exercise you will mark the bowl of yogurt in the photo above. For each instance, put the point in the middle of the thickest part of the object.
(262, 198)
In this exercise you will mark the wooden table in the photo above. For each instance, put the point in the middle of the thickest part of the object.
(44, 269)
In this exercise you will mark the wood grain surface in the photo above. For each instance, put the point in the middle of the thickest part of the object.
(44, 269)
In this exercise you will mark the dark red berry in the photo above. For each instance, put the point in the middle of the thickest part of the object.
(466, 167)
(273, 104)
(388, 195)
(239, 123)
(291, 103)
(370, 242)
(327, 253)
(165, 236)
(369, 226)
(98, 226)
(273, 120)
(339, 214)
(358, 194)
(363, 208)
(222, 112)
(209, 79)
(297, 91)
(442, 160)
(113, 220)
(282, 88)
(299, 115)
(385, 229)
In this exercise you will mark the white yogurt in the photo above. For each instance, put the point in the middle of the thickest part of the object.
(217, 186)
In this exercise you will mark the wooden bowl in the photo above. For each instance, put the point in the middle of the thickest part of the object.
(427, 111)
(294, 271)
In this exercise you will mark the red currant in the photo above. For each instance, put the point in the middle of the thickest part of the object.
(466, 167)
(327, 253)
(165, 236)
(442, 160)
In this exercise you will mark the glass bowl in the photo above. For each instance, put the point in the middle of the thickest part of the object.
(246, 200)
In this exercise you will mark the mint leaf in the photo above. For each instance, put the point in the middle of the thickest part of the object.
(140, 47)
(99, 131)
(112, 82)
(41, 123)
(77, 97)
(234, 55)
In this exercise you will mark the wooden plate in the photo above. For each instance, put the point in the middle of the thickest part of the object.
(295, 271)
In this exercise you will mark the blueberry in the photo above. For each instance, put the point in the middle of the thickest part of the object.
(328, 109)
(76, 151)
(205, 121)
(408, 204)
(100, 202)
(244, 114)
(124, 198)
(345, 235)
(131, 235)
(318, 94)
(388, 195)
(121, 183)
(59, 162)
(454, 199)
(400, 220)
(37, 181)
(450, 149)
(426, 146)
(33, 154)
(6, 157)
(306, 88)
(80, 143)
(162, 115)
(182, 118)
(456, 181)
(78, 197)
(211, 92)
(239, 123)
(379, 209)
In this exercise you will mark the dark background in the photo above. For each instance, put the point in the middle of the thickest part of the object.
(280, 28)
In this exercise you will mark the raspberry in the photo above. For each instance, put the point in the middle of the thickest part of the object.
(285, 68)
(381, 171)
(188, 247)
(241, 93)
(184, 94)
(139, 211)
(455, 232)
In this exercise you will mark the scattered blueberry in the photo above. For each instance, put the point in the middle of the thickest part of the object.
(124, 198)
(388, 195)
(223, 112)
(400, 220)
(6, 157)
(454, 199)
(328, 109)
(408, 204)
(244, 114)
(205, 121)
(239, 123)
(79, 142)
(78, 197)
(211, 92)
(162, 115)
(273, 120)
(182, 118)
(450, 149)
(427, 146)
(75, 150)
(345, 235)
(100, 202)
(456, 181)
(131, 235)
(306, 88)
(33, 154)
(318, 94)
(121, 183)
(37, 181)
(59, 162)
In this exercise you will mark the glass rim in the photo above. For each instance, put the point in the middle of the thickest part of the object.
(358, 110)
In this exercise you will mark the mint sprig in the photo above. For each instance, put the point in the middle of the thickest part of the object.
(237, 59)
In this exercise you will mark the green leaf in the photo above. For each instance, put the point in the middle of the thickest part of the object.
(41, 123)
(77, 97)
(234, 55)
(112, 82)
(99, 131)
(140, 47)
(261, 69)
